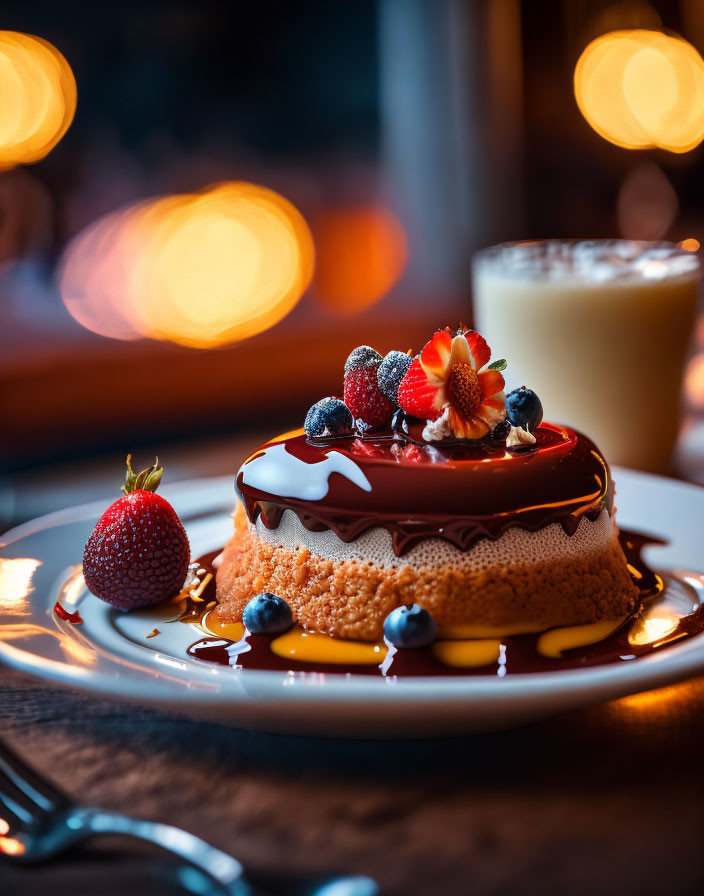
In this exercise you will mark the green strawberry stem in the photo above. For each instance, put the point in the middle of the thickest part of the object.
(148, 479)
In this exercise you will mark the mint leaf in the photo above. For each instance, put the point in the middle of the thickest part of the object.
(498, 365)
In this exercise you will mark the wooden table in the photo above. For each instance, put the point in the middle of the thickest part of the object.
(606, 800)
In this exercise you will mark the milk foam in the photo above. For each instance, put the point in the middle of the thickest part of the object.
(598, 261)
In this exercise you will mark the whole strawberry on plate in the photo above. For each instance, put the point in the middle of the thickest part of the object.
(138, 553)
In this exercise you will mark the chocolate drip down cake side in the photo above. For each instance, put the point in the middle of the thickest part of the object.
(427, 497)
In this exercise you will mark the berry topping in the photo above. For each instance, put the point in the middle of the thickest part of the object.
(409, 626)
(370, 449)
(390, 373)
(523, 409)
(463, 389)
(362, 358)
(413, 454)
(459, 383)
(416, 395)
(267, 614)
(328, 417)
(138, 553)
(500, 432)
(364, 399)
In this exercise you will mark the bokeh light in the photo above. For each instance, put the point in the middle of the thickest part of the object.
(647, 203)
(94, 274)
(694, 382)
(201, 270)
(38, 98)
(642, 89)
(11, 846)
(699, 332)
(362, 253)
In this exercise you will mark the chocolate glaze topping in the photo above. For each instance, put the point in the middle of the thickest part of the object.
(459, 491)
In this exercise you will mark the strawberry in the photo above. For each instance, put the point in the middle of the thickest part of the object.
(416, 394)
(362, 394)
(138, 553)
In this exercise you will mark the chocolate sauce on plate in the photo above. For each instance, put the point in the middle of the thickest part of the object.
(519, 653)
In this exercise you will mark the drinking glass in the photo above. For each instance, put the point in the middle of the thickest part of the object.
(600, 330)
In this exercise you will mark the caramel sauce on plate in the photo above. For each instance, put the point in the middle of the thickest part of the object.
(670, 610)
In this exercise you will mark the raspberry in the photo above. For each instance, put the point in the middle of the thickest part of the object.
(364, 398)
(361, 357)
(413, 454)
(369, 449)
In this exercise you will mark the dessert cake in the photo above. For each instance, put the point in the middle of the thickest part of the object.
(426, 485)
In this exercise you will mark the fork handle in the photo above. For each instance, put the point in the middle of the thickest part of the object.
(219, 866)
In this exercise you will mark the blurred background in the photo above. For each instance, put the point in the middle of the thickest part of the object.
(248, 191)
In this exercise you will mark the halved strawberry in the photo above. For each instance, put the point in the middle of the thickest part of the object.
(416, 395)
(481, 353)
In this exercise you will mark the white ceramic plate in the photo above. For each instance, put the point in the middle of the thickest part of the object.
(110, 655)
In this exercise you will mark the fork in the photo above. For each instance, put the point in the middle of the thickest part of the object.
(38, 821)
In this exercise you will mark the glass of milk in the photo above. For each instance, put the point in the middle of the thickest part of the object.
(600, 330)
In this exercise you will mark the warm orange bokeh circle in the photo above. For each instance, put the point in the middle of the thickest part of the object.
(362, 252)
(38, 98)
(198, 269)
(642, 89)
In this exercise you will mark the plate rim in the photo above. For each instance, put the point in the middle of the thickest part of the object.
(679, 661)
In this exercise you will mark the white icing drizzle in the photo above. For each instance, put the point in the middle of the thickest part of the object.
(278, 472)
(216, 562)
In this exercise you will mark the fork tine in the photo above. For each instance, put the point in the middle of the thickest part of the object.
(14, 813)
(42, 793)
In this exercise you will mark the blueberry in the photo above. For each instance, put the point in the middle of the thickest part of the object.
(390, 373)
(500, 432)
(362, 357)
(267, 614)
(410, 626)
(523, 408)
(328, 417)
